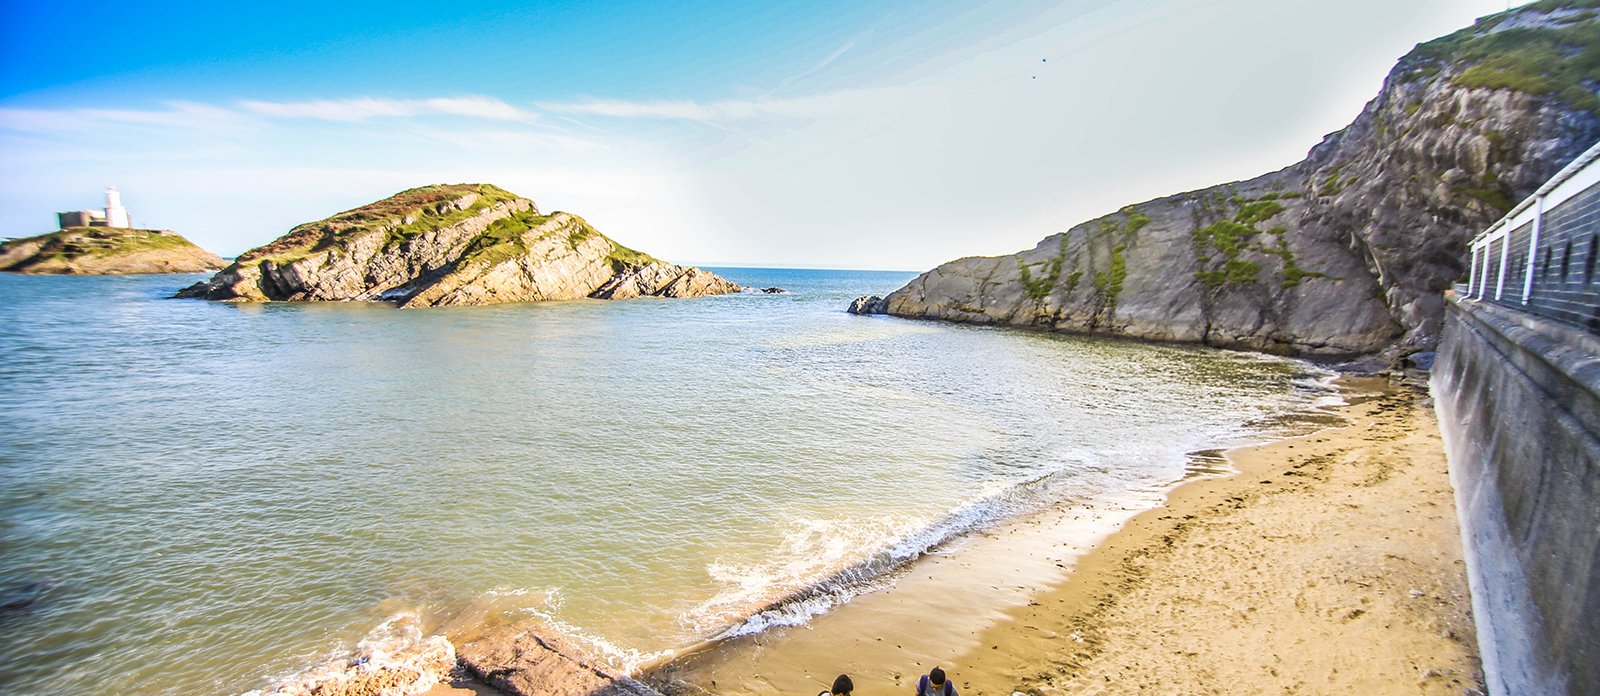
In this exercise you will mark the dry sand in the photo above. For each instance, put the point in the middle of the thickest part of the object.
(1330, 564)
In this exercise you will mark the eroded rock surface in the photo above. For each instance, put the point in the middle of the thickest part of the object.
(1344, 253)
(529, 661)
(462, 244)
(106, 251)
(395, 660)
(869, 304)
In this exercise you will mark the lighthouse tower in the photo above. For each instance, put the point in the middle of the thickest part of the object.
(116, 215)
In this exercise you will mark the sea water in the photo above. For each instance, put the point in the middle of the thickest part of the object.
(201, 497)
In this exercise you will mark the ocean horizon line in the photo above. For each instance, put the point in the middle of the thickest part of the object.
(802, 267)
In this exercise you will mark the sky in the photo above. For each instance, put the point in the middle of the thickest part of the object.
(820, 134)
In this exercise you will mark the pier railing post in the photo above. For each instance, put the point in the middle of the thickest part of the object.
(1533, 248)
(1483, 279)
(1500, 281)
(1472, 272)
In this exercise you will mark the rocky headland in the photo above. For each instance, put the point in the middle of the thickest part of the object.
(1345, 253)
(451, 244)
(106, 251)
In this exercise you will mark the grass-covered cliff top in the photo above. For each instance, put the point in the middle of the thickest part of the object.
(415, 211)
(73, 242)
(399, 217)
(506, 239)
(1546, 48)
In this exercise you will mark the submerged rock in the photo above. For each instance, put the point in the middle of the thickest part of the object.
(106, 251)
(459, 244)
(775, 291)
(531, 660)
(23, 595)
(1344, 253)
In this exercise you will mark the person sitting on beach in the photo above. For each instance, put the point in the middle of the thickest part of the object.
(934, 684)
(842, 686)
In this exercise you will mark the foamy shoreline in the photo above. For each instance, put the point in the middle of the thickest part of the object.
(1138, 609)
(1016, 555)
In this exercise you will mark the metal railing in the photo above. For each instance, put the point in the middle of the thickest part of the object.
(1541, 257)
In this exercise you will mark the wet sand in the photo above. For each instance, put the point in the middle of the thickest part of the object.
(1331, 563)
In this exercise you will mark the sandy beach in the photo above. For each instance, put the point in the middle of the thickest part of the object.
(1330, 563)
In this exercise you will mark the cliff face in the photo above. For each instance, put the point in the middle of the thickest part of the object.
(462, 244)
(1344, 253)
(106, 251)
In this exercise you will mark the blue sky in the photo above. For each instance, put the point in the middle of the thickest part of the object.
(827, 134)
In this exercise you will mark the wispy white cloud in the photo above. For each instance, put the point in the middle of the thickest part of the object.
(198, 117)
(826, 61)
(362, 108)
(182, 115)
(683, 110)
(727, 110)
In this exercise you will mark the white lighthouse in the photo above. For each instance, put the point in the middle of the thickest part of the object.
(116, 215)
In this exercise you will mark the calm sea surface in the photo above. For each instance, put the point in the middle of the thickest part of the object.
(199, 497)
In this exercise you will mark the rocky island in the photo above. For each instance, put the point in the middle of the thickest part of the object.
(1345, 253)
(451, 244)
(106, 251)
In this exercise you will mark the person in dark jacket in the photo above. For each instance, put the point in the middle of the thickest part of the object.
(934, 683)
(842, 686)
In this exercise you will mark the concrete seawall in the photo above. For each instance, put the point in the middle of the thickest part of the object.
(1518, 399)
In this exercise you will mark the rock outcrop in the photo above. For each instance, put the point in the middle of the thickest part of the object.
(396, 660)
(106, 251)
(530, 660)
(869, 304)
(460, 244)
(1344, 253)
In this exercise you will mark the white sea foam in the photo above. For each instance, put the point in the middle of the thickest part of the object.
(395, 659)
(595, 647)
(822, 564)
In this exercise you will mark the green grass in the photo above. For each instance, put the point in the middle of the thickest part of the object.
(1490, 192)
(502, 240)
(1332, 185)
(100, 242)
(623, 257)
(1292, 272)
(1039, 288)
(1135, 220)
(1233, 272)
(1231, 238)
(1226, 236)
(1257, 211)
(387, 216)
(1108, 284)
(1561, 61)
(507, 238)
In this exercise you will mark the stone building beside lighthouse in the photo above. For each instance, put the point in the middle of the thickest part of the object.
(114, 215)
